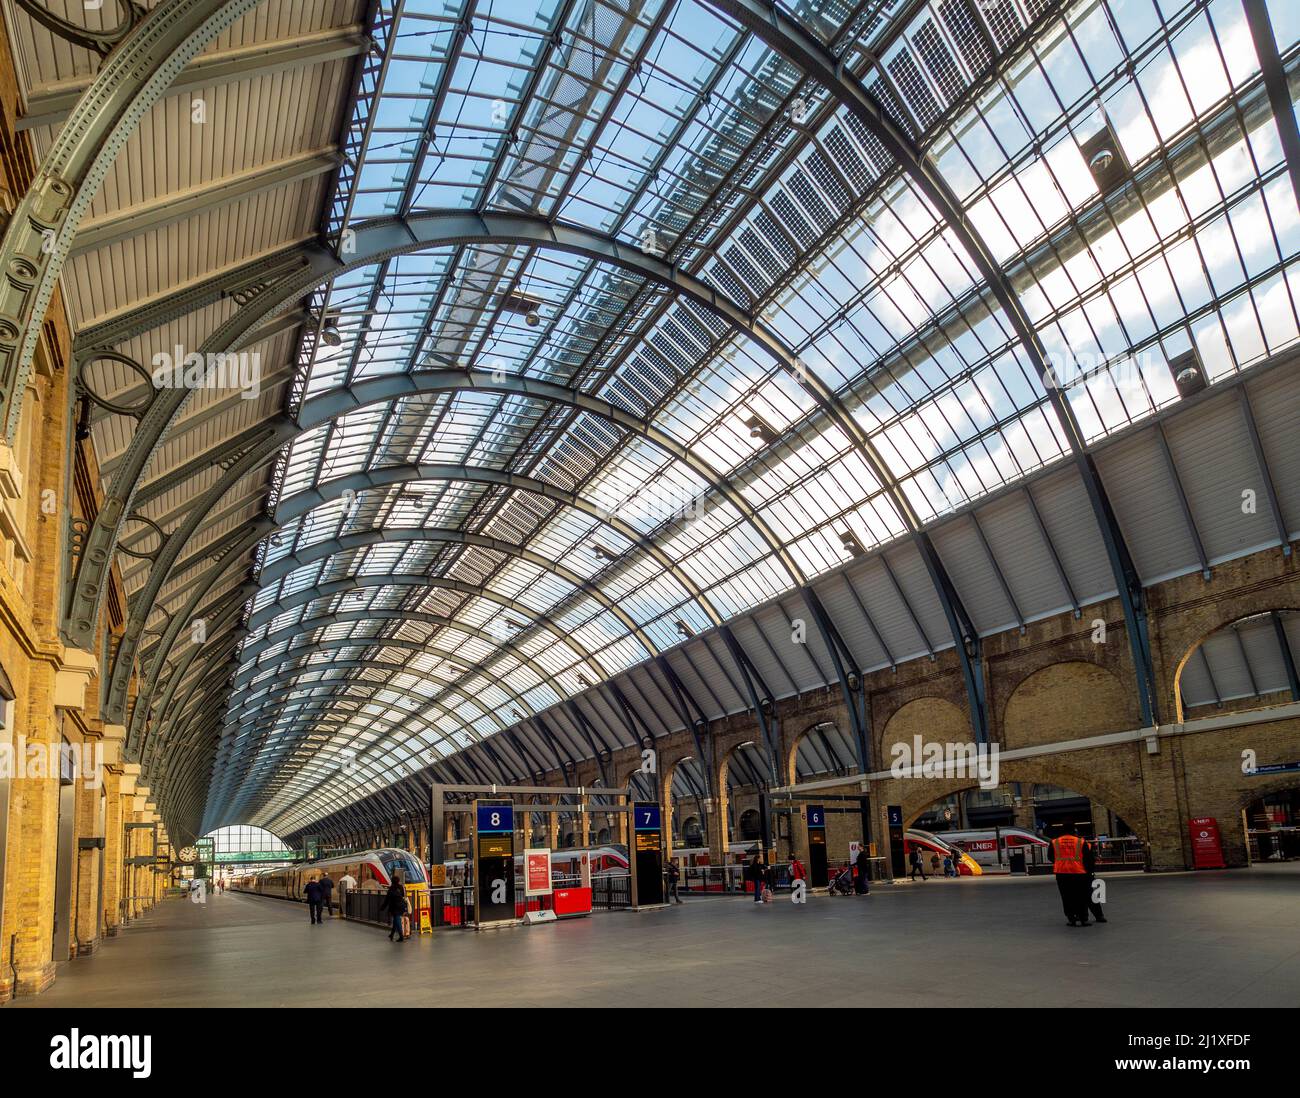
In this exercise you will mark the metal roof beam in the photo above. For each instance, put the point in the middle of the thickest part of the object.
(51, 104)
(783, 33)
(38, 235)
(173, 206)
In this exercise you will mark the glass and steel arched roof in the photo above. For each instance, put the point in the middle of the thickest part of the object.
(450, 566)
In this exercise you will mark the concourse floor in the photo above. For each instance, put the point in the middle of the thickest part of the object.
(1226, 938)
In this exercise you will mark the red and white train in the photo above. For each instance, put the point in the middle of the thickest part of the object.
(373, 870)
(931, 845)
(991, 847)
(605, 861)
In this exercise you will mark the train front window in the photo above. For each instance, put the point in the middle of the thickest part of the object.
(408, 867)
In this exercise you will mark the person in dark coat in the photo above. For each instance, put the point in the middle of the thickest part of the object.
(327, 893)
(863, 863)
(315, 894)
(754, 874)
(394, 905)
(1090, 864)
(674, 877)
(918, 866)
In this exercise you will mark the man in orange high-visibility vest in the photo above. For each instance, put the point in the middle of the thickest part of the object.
(1071, 875)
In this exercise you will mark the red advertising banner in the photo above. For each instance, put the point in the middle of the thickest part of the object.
(537, 872)
(1207, 850)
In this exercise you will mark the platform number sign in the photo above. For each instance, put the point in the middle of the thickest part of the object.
(897, 859)
(818, 869)
(649, 817)
(494, 862)
(648, 842)
(495, 818)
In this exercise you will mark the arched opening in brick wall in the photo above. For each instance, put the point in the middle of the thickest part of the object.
(1037, 794)
(745, 773)
(1273, 826)
(821, 751)
(1247, 663)
(603, 827)
(1270, 818)
(687, 785)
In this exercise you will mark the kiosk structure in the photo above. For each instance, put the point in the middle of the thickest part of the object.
(497, 812)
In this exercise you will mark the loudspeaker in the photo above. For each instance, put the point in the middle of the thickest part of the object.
(1188, 373)
(1105, 159)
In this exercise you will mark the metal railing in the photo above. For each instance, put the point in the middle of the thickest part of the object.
(1112, 854)
(1276, 844)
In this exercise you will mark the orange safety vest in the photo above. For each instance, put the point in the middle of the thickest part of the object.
(1067, 850)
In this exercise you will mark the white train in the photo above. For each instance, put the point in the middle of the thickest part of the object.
(985, 844)
(605, 861)
(373, 870)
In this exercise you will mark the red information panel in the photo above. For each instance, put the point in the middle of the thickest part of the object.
(1207, 851)
(537, 873)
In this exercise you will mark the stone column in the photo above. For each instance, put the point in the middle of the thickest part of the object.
(34, 824)
(113, 850)
(664, 788)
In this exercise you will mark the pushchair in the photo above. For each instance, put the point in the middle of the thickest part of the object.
(842, 883)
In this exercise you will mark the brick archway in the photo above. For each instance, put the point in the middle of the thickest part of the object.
(1281, 784)
(790, 759)
(1068, 700)
(1124, 802)
(931, 717)
(1230, 619)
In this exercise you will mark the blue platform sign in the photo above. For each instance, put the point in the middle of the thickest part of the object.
(496, 818)
(895, 815)
(816, 816)
(1273, 768)
(647, 816)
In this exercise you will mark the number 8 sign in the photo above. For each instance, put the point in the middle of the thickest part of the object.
(496, 817)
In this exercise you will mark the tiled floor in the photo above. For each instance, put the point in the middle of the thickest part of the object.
(1229, 938)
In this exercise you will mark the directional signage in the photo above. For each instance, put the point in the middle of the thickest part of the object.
(494, 862)
(647, 852)
(818, 871)
(897, 857)
(495, 818)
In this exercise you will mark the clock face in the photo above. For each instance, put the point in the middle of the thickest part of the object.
(188, 854)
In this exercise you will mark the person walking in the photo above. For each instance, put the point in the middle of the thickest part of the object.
(754, 874)
(394, 906)
(314, 896)
(346, 884)
(1090, 864)
(1071, 876)
(797, 871)
(861, 884)
(674, 876)
(917, 865)
(327, 893)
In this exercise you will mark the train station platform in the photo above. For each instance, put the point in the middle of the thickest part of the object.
(1215, 939)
